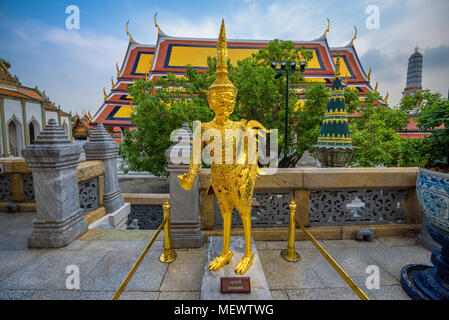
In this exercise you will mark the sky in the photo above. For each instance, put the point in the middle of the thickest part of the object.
(73, 66)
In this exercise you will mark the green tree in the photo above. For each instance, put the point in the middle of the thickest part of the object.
(432, 114)
(161, 107)
(375, 132)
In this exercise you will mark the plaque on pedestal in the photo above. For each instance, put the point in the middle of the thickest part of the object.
(211, 285)
(235, 285)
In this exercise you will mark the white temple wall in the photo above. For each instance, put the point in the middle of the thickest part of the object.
(34, 110)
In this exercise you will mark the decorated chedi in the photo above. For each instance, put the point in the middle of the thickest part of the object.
(231, 181)
(334, 147)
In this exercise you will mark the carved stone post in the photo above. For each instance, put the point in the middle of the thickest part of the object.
(102, 147)
(53, 160)
(185, 219)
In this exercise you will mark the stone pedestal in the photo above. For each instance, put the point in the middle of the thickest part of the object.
(102, 147)
(185, 220)
(53, 159)
(210, 288)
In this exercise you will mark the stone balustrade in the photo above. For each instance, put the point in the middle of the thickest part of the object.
(16, 186)
(382, 198)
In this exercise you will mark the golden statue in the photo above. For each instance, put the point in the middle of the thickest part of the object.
(233, 183)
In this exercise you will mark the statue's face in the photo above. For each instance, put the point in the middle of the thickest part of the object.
(221, 102)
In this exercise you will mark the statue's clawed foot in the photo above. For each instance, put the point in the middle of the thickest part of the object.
(220, 261)
(244, 264)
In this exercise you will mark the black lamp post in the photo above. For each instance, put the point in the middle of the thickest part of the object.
(280, 72)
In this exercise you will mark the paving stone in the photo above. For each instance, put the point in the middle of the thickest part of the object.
(322, 294)
(393, 259)
(388, 293)
(48, 270)
(396, 242)
(76, 245)
(13, 260)
(16, 294)
(72, 295)
(130, 235)
(112, 270)
(281, 274)
(140, 295)
(279, 294)
(121, 245)
(179, 295)
(348, 243)
(261, 245)
(185, 273)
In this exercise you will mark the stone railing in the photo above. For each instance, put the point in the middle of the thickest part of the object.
(16, 187)
(72, 196)
(91, 189)
(146, 208)
(326, 197)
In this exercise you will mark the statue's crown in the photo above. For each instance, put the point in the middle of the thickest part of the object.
(222, 81)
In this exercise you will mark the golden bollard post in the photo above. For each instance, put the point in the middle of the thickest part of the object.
(290, 254)
(168, 255)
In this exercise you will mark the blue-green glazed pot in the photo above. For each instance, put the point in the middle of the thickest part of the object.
(432, 188)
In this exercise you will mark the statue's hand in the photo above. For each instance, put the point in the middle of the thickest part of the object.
(186, 181)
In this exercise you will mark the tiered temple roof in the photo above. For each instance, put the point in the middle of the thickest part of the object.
(172, 54)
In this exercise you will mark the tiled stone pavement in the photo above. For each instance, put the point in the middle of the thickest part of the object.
(104, 257)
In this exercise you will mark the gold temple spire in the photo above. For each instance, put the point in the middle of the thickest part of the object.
(127, 32)
(328, 26)
(386, 97)
(156, 25)
(375, 88)
(416, 48)
(118, 70)
(354, 37)
(369, 74)
(112, 82)
(105, 95)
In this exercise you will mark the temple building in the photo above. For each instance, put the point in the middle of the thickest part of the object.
(24, 112)
(171, 55)
(81, 127)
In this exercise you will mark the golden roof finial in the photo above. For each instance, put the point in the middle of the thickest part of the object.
(328, 26)
(337, 66)
(105, 95)
(156, 25)
(127, 32)
(118, 70)
(112, 82)
(375, 88)
(354, 37)
(386, 97)
(369, 74)
(222, 79)
(416, 48)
